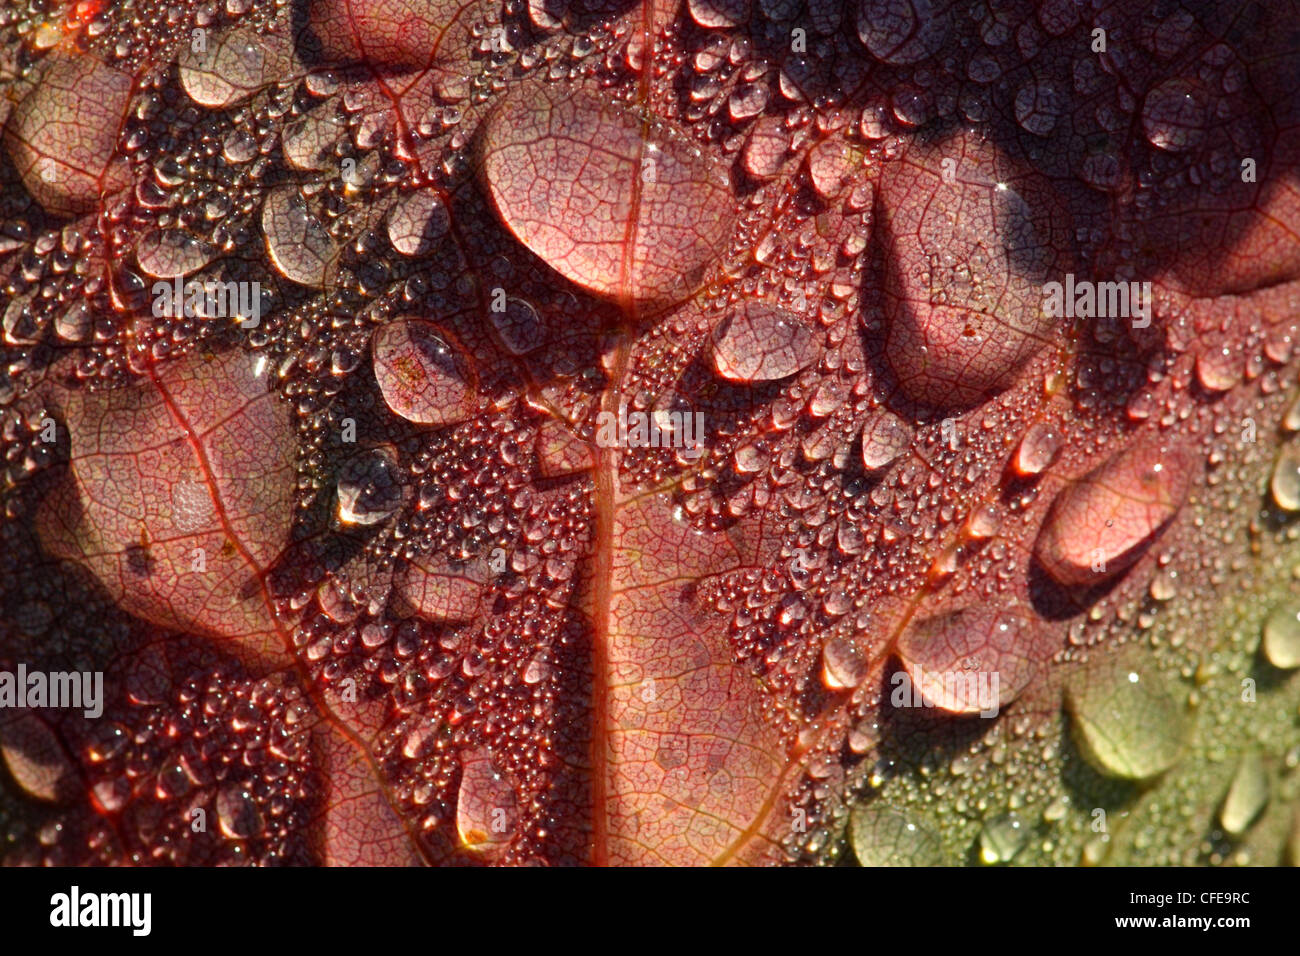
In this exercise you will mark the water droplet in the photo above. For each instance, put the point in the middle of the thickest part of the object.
(1291, 420)
(1247, 796)
(310, 143)
(881, 837)
(966, 260)
(1101, 524)
(831, 164)
(885, 436)
(416, 222)
(422, 376)
(519, 326)
(166, 254)
(369, 488)
(1281, 643)
(487, 811)
(237, 812)
(297, 242)
(1218, 370)
(1038, 107)
(844, 665)
(1001, 839)
(718, 13)
(606, 196)
(1037, 449)
(234, 65)
(758, 342)
(1126, 721)
(903, 31)
(984, 522)
(35, 758)
(1174, 116)
(1285, 481)
(62, 135)
(441, 590)
(971, 661)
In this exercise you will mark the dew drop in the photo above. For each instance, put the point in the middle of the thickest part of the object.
(885, 436)
(487, 811)
(237, 812)
(966, 259)
(35, 758)
(1284, 484)
(1001, 839)
(1247, 796)
(1126, 721)
(1218, 370)
(718, 13)
(62, 135)
(297, 242)
(233, 66)
(1038, 107)
(369, 488)
(310, 143)
(1101, 524)
(971, 661)
(417, 222)
(519, 326)
(903, 31)
(606, 196)
(166, 254)
(844, 666)
(1037, 449)
(882, 837)
(1281, 643)
(758, 342)
(1174, 116)
(422, 376)
(442, 590)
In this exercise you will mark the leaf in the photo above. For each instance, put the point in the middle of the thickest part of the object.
(594, 416)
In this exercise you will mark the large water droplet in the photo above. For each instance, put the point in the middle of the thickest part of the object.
(487, 811)
(1247, 796)
(519, 326)
(297, 242)
(1174, 116)
(423, 377)
(885, 436)
(967, 258)
(718, 13)
(310, 143)
(62, 135)
(1038, 107)
(1001, 839)
(758, 342)
(237, 812)
(234, 65)
(844, 665)
(1281, 643)
(417, 222)
(882, 837)
(1102, 523)
(165, 253)
(1285, 481)
(36, 759)
(903, 31)
(369, 488)
(1037, 449)
(605, 195)
(971, 661)
(1126, 721)
(441, 590)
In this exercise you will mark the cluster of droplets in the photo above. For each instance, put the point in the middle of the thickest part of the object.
(218, 775)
